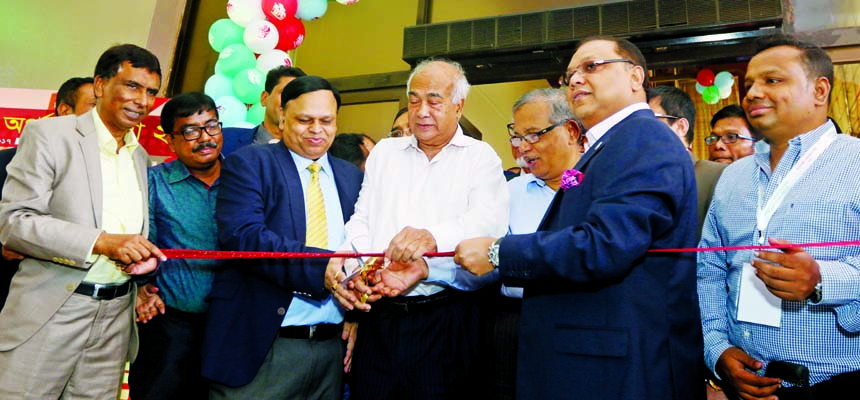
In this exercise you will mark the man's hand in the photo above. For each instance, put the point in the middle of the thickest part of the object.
(471, 254)
(790, 275)
(399, 277)
(134, 251)
(349, 331)
(733, 367)
(12, 254)
(148, 304)
(349, 297)
(410, 244)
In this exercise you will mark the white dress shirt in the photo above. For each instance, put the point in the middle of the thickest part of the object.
(461, 193)
(597, 131)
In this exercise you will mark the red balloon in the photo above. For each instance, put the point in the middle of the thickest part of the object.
(705, 77)
(279, 10)
(291, 34)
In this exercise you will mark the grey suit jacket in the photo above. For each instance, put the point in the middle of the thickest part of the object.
(707, 175)
(51, 211)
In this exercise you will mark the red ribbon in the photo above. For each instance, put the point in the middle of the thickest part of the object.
(218, 254)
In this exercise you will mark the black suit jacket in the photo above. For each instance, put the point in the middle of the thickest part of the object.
(601, 318)
(261, 208)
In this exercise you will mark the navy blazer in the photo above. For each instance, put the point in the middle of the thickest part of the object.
(261, 208)
(601, 319)
(235, 138)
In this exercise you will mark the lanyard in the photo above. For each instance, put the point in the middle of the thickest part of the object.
(764, 214)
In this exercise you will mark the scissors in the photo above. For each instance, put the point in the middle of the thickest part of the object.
(362, 266)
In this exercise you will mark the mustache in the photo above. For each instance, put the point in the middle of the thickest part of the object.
(204, 145)
(521, 161)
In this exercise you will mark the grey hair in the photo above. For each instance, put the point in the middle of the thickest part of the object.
(559, 107)
(461, 84)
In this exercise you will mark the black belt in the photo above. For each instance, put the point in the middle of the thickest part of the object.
(413, 304)
(513, 305)
(99, 291)
(311, 332)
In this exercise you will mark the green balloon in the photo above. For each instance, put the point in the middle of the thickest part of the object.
(235, 58)
(218, 86)
(225, 32)
(711, 95)
(248, 84)
(256, 114)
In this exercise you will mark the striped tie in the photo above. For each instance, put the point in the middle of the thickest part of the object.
(317, 235)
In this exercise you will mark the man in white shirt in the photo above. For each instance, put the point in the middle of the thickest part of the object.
(422, 193)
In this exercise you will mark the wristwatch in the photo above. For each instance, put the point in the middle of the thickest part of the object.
(493, 253)
(816, 295)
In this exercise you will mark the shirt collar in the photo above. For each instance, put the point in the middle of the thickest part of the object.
(533, 180)
(459, 139)
(805, 141)
(178, 172)
(597, 131)
(106, 141)
(302, 163)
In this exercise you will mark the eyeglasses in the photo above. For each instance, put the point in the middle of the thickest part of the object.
(400, 132)
(728, 138)
(590, 67)
(672, 117)
(530, 138)
(194, 132)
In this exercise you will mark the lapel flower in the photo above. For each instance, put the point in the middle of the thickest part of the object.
(571, 178)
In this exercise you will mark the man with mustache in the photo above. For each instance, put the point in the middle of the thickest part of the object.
(182, 197)
(731, 137)
(803, 190)
(75, 206)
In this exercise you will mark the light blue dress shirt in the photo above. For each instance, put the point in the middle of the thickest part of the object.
(530, 198)
(823, 206)
(302, 310)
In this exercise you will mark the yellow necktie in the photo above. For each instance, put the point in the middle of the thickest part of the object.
(317, 232)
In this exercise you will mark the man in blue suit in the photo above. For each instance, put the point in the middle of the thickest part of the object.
(601, 317)
(273, 331)
(268, 131)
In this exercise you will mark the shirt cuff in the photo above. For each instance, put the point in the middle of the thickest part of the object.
(837, 285)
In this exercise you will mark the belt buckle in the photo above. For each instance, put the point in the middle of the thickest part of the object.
(97, 291)
(311, 330)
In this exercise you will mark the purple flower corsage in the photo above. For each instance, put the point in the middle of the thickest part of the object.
(571, 178)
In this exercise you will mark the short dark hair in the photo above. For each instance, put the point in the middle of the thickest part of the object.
(273, 77)
(626, 49)
(729, 111)
(678, 103)
(185, 105)
(111, 60)
(816, 61)
(68, 92)
(347, 146)
(400, 112)
(307, 84)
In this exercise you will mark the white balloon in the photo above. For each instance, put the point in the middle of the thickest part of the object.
(261, 36)
(244, 11)
(725, 92)
(273, 59)
(347, 2)
(231, 110)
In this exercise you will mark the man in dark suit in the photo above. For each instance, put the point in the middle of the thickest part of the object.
(273, 331)
(267, 131)
(601, 317)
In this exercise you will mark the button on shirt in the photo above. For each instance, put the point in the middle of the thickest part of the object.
(530, 198)
(823, 206)
(122, 198)
(182, 216)
(303, 310)
(461, 193)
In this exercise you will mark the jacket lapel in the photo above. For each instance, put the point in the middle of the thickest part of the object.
(296, 197)
(90, 151)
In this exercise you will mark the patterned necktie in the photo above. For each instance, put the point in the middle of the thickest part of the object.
(317, 232)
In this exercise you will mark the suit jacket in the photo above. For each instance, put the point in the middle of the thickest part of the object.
(707, 175)
(601, 319)
(236, 138)
(52, 212)
(261, 208)
(7, 267)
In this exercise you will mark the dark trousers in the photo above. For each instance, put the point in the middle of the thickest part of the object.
(506, 336)
(426, 351)
(168, 362)
(7, 271)
(843, 386)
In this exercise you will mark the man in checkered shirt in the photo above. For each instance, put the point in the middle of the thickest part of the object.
(804, 190)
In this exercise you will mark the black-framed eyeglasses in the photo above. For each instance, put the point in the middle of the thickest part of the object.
(531, 138)
(590, 67)
(400, 132)
(670, 117)
(728, 138)
(194, 132)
